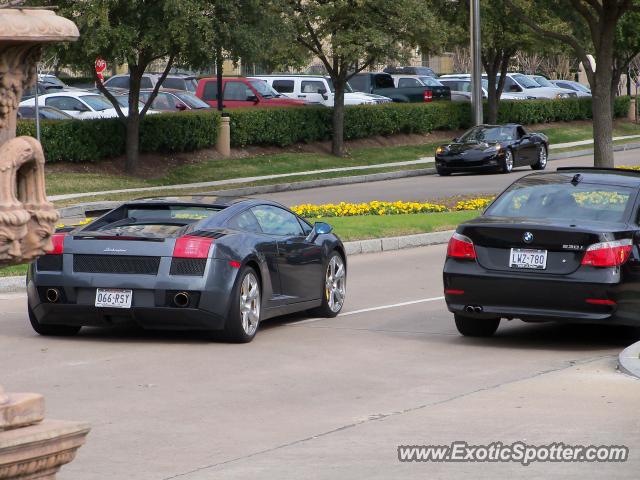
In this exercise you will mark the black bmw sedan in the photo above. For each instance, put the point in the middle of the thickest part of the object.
(493, 147)
(561, 246)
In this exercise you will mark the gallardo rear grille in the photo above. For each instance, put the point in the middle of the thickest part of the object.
(188, 266)
(116, 264)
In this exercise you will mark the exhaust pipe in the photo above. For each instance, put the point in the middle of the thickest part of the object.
(181, 299)
(473, 309)
(53, 295)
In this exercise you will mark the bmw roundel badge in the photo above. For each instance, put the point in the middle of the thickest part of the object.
(527, 237)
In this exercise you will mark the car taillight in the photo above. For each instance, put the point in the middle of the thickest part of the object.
(608, 254)
(57, 239)
(461, 246)
(427, 96)
(192, 247)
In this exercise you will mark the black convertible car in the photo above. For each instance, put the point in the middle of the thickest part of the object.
(493, 147)
(561, 246)
(194, 262)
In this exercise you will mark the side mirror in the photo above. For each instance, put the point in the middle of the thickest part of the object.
(514, 88)
(181, 106)
(455, 139)
(319, 228)
(526, 136)
(252, 98)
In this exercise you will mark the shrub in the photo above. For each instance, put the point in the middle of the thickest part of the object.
(92, 140)
(286, 126)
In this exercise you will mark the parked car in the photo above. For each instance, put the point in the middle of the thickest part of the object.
(580, 89)
(173, 100)
(558, 246)
(45, 113)
(383, 84)
(51, 81)
(149, 80)
(243, 92)
(520, 83)
(77, 103)
(419, 71)
(493, 147)
(544, 82)
(316, 90)
(192, 262)
(462, 87)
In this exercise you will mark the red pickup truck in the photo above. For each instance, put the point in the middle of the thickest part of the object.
(243, 92)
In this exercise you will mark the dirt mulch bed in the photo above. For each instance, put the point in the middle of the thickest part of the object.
(158, 165)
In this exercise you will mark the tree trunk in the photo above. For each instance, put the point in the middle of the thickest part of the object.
(337, 139)
(133, 119)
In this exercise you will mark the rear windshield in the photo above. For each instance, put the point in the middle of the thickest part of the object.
(152, 218)
(565, 201)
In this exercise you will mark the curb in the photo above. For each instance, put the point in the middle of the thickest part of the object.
(629, 360)
(17, 284)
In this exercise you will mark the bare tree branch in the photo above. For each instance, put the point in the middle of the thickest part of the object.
(100, 86)
(154, 93)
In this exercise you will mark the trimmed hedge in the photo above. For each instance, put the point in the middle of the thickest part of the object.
(287, 126)
(92, 140)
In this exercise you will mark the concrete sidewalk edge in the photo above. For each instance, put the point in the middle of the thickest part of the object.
(17, 284)
(629, 360)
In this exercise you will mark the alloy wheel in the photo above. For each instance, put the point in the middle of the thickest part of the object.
(250, 303)
(542, 158)
(508, 161)
(335, 283)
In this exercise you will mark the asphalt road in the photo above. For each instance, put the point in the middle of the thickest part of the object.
(430, 187)
(331, 399)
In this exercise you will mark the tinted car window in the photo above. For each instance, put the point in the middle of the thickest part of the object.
(563, 201)
(384, 81)
(283, 86)
(276, 221)
(358, 83)
(177, 83)
(118, 82)
(309, 86)
(210, 91)
(66, 103)
(191, 100)
(145, 82)
(409, 82)
(236, 91)
(245, 221)
(488, 134)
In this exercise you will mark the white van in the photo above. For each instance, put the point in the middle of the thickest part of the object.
(317, 90)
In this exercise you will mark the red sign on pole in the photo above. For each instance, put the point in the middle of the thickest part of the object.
(101, 66)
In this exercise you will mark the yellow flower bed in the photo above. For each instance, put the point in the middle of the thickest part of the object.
(629, 167)
(343, 209)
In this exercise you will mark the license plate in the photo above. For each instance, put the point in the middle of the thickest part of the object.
(528, 258)
(113, 298)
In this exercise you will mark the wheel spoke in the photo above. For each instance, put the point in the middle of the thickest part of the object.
(340, 272)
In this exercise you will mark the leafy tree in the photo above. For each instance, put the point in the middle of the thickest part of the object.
(138, 33)
(608, 28)
(349, 36)
(501, 38)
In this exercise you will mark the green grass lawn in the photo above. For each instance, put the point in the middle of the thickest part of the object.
(373, 226)
(574, 132)
(363, 227)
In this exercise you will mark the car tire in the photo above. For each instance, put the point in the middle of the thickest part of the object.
(476, 327)
(335, 287)
(506, 165)
(51, 330)
(541, 163)
(442, 172)
(244, 314)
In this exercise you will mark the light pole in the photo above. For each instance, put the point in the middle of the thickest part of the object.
(476, 64)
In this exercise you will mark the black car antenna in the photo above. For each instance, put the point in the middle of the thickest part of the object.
(576, 179)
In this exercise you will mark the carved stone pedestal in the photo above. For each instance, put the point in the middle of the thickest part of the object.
(30, 446)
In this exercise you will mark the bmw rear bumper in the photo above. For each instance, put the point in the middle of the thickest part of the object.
(531, 297)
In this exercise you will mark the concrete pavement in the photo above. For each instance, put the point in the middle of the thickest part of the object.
(430, 187)
(327, 399)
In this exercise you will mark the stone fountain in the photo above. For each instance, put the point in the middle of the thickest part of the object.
(31, 447)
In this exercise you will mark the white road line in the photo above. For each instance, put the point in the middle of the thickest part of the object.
(372, 309)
